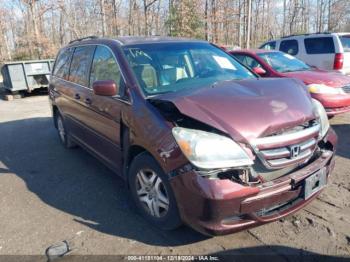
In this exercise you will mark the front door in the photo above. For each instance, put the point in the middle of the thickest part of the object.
(103, 113)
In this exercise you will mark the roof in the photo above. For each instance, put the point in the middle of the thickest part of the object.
(343, 33)
(26, 61)
(133, 40)
(316, 34)
(253, 51)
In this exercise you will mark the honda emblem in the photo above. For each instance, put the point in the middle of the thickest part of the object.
(294, 151)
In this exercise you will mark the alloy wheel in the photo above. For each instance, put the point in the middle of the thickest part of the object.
(152, 193)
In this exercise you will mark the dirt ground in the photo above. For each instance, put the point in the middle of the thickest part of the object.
(49, 194)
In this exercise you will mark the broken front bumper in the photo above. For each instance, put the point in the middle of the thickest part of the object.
(217, 207)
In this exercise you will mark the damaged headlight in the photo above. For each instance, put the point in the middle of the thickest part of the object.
(207, 150)
(322, 116)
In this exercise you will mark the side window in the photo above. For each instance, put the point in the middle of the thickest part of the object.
(319, 45)
(240, 58)
(80, 66)
(248, 61)
(269, 46)
(104, 67)
(61, 68)
(345, 41)
(289, 47)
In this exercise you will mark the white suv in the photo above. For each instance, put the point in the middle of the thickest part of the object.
(329, 51)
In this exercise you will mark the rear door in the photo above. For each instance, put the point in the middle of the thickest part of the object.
(319, 52)
(78, 82)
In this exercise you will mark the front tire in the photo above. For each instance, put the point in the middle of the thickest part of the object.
(152, 194)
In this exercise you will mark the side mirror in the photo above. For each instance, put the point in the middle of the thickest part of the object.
(259, 71)
(105, 88)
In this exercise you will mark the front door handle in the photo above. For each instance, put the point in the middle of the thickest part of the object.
(88, 101)
(77, 96)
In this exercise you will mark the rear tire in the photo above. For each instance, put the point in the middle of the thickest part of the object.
(152, 194)
(64, 136)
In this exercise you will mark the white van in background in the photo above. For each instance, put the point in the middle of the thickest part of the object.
(329, 51)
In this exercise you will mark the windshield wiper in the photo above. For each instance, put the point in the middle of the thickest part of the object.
(150, 95)
(296, 70)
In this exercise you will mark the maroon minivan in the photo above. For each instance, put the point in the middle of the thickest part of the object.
(198, 138)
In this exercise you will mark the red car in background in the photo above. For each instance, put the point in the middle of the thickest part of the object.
(330, 88)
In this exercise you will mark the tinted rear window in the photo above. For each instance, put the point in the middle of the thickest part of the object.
(289, 47)
(80, 67)
(62, 63)
(319, 45)
(345, 41)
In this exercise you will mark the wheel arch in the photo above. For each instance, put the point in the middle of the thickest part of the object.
(130, 150)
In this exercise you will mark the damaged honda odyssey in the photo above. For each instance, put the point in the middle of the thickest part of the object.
(198, 138)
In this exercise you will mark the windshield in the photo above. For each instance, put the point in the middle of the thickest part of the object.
(170, 67)
(282, 62)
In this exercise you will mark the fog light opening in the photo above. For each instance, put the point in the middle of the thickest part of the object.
(234, 219)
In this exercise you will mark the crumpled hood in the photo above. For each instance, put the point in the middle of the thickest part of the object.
(246, 109)
(328, 78)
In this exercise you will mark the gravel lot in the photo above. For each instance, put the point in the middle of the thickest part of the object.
(49, 194)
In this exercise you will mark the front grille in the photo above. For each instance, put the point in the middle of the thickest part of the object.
(346, 89)
(288, 148)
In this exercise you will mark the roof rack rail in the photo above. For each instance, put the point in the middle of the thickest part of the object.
(306, 34)
(84, 38)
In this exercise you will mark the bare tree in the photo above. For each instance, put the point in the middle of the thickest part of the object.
(38, 28)
(146, 6)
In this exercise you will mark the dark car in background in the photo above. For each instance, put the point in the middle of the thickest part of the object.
(197, 137)
(330, 88)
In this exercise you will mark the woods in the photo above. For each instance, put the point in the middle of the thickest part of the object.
(34, 29)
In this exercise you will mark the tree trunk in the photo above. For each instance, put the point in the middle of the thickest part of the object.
(249, 18)
(145, 16)
(103, 17)
(206, 20)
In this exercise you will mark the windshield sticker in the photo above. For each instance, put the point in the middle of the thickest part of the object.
(223, 62)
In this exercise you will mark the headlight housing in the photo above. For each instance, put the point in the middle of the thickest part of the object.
(322, 116)
(207, 150)
(324, 89)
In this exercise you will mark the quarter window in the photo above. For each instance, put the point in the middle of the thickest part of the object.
(104, 67)
(269, 46)
(61, 68)
(319, 45)
(289, 47)
(79, 70)
(345, 41)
